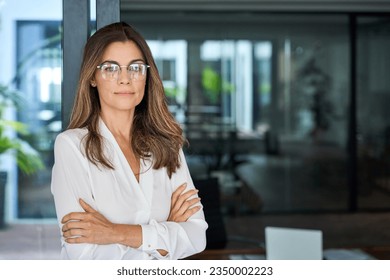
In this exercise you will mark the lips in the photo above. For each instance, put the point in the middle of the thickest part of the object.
(124, 92)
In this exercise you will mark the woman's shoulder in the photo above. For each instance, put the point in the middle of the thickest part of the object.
(74, 135)
(69, 144)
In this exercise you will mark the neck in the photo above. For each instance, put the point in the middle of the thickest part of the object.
(119, 123)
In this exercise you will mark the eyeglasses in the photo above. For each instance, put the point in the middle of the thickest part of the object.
(110, 71)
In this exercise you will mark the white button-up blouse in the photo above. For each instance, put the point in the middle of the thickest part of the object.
(122, 199)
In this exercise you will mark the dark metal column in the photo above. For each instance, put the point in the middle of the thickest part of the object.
(352, 126)
(107, 11)
(76, 17)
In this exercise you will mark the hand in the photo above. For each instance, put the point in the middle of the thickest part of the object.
(87, 227)
(181, 204)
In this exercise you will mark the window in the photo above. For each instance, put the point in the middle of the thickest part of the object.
(31, 52)
(39, 79)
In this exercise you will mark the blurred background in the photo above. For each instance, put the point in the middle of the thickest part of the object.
(284, 104)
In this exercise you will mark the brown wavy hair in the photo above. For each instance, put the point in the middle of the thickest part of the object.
(154, 131)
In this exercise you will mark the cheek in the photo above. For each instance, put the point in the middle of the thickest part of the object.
(141, 89)
(142, 85)
(103, 90)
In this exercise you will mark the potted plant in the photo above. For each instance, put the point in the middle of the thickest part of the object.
(27, 158)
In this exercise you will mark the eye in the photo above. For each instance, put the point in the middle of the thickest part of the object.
(135, 67)
(110, 67)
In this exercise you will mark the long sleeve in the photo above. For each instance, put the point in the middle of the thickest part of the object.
(71, 180)
(69, 183)
(179, 239)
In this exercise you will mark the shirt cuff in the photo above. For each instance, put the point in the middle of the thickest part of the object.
(149, 238)
(150, 241)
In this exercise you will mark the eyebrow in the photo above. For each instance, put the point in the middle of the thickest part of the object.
(131, 62)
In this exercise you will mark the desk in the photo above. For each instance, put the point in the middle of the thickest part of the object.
(224, 254)
(380, 253)
(221, 152)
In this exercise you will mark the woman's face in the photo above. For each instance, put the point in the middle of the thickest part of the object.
(120, 88)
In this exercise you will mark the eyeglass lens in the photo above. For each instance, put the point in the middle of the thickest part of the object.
(111, 71)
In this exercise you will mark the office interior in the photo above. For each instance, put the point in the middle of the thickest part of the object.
(284, 106)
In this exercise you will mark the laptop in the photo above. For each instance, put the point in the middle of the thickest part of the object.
(293, 244)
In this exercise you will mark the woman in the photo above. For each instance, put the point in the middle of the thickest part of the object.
(120, 181)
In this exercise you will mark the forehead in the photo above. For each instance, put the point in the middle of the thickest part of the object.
(122, 52)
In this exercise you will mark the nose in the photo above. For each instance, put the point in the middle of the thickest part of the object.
(123, 77)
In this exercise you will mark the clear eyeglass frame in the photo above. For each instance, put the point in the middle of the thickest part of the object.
(111, 71)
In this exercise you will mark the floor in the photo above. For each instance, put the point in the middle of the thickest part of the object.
(30, 242)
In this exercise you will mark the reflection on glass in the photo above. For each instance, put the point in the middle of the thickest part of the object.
(31, 53)
(373, 97)
(39, 78)
(171, 59)
(262, 72)
(266, 109)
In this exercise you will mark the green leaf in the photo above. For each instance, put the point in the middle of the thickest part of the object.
(27, 158)
(14, 125)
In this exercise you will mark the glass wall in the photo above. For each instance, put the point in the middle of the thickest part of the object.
(38, 77)
(32, 58)
(373, 98)
(265, 105)
(263, 100)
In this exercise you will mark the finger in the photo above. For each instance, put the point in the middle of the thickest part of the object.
(186, 215)
(74, 225)
(73, 216)
(186, 205)
(188, 194)
(177, 192)
(190, 212)
(77, 240)
(86, 206)
(184, 197)
(191, 202)
(73, 233)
